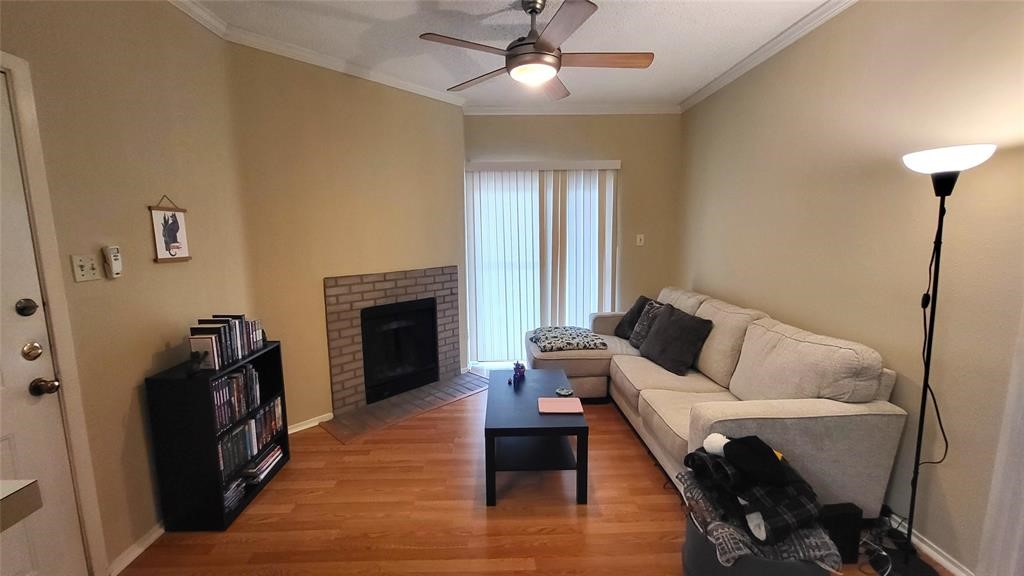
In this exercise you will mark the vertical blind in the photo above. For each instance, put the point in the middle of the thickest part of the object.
(540, 251)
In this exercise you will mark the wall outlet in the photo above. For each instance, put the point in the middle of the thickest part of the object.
(85, 267)
(640, 241)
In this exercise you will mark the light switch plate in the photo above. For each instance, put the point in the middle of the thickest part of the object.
(85, 267)
(640, 240)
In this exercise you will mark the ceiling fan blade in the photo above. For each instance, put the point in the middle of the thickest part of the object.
(458, 42)
(555, 89)
(608, 59)
(477, 80)
(570, 16)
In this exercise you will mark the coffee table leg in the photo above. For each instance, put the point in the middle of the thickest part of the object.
(489, 466)
(581, 468)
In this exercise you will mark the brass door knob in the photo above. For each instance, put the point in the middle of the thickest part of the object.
(41, 386)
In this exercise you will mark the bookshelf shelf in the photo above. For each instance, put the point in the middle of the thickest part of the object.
(190, 448)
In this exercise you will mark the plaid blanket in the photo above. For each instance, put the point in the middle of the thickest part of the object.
(810, 543)
(783, 508)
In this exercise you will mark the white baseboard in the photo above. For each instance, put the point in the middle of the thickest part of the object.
(939, 555)
(299, 426)
(117, 565)
(930, 549)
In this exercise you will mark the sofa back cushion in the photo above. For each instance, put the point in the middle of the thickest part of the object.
(681, 299)
(784, 362)
(721, 350)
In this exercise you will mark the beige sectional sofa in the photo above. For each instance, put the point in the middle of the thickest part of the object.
(821, 401)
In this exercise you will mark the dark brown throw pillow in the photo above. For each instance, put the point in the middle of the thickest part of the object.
(675, 340)
(643, 325)
(624, 329)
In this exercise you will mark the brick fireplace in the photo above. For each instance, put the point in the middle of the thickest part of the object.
(345, 298)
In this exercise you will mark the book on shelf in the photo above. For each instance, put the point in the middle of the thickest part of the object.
(220, 335)
(235, 336)
(233, 352)
(248, 438)
(260, 469)
(206, 348)
(234, 395)
(233, 494)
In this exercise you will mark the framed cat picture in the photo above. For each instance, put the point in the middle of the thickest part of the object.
(169, 235)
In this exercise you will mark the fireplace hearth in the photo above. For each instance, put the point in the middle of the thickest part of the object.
(399, 347)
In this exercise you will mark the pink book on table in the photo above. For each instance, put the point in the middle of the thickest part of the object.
(559, 405)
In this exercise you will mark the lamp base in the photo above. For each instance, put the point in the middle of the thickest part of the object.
(909, 564)
(904, 558)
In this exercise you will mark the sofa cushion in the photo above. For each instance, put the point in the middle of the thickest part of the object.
(579, 362)
(624, 329)
(675, 340)
(643, 326)
(721, 350)
(666, 416)
(631, 374)
(784, 362)
(681, 299)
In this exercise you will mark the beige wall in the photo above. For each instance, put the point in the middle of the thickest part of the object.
(133, 103)
(341, 176)
(290, 173)
(649, 147)
(795, 201)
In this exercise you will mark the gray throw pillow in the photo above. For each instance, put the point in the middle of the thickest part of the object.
(624, 329)
(643, 325)
(675, 340)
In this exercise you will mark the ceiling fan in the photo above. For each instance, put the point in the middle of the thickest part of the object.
(536, 58)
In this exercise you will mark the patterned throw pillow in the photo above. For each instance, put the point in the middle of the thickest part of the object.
(643, 325)
(559, 338)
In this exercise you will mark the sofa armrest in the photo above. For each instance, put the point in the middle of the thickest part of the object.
(844, 450)
(605, 322)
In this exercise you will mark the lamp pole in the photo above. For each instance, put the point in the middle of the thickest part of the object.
(929, 301)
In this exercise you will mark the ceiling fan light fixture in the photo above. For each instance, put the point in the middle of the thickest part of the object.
(533, 74)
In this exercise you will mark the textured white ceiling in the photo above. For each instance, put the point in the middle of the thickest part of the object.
(694, 43)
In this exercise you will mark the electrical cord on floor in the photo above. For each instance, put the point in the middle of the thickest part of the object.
(878, 559)
(926, 302)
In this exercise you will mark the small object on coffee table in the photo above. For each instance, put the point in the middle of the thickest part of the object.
(518, 372)
(563, 391)
(559, 406)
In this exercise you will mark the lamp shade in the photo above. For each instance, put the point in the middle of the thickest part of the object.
(533, 74)
(949, 159)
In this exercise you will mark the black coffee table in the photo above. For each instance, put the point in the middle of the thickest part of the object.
(518, 437)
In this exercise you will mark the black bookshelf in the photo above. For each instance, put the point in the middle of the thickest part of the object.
(186, 439)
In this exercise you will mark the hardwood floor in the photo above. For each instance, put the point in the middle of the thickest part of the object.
(409, 499)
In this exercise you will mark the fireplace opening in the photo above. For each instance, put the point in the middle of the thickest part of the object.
(399, 347)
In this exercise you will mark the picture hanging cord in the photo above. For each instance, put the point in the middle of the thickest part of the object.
(168, 198)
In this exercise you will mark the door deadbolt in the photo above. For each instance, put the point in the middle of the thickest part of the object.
(31, 351)
(41, 386)
(26, 307)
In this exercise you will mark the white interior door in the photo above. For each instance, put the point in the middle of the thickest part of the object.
(32, 440)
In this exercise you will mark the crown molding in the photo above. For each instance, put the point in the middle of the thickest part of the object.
(573, 110)
(201, 14)
(823, 13)
(267, 44)
(237, 35)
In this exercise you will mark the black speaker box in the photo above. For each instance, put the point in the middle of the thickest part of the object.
(842, 522)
